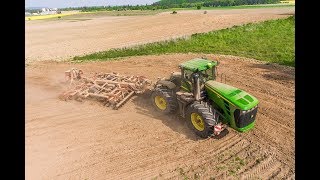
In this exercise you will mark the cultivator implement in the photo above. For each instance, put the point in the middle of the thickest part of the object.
(112, 89)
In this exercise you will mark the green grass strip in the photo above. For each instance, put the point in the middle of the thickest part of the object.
(271, 41)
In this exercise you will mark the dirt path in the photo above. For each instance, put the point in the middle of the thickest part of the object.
(61, 39)
(74, 140)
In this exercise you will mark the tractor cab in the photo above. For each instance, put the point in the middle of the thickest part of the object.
(204, 69)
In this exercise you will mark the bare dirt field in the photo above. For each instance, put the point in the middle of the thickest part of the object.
(65, 38)
(85, 140)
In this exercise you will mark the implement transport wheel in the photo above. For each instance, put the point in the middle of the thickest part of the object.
(163, 100)
(200, 119)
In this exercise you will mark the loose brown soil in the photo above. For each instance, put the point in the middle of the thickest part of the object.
(63, 39)
(85, 140)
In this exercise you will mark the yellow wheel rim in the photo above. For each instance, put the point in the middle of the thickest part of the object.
(197, 121)
(160, 102)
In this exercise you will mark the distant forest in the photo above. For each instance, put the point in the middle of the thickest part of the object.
(166, 4)
(212, 3)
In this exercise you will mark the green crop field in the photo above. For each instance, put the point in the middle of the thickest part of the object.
(271, 41)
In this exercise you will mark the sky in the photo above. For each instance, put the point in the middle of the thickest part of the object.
(80, 3)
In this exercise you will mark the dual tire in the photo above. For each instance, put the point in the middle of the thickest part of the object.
(199, 117)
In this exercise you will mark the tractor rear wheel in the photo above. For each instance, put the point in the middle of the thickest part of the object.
(163, 100)
(200, 119)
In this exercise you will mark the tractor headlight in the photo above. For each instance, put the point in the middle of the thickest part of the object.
(243, 112)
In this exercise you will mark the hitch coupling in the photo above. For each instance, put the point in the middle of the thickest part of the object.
(217, 129)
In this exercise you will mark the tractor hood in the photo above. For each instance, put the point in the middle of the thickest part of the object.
(235, 96)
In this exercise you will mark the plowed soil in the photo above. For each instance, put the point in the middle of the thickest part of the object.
(85, 140)
(64, 38)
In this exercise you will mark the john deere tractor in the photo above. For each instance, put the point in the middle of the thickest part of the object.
(207, 105)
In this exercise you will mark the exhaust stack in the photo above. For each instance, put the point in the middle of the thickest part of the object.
(196, 88)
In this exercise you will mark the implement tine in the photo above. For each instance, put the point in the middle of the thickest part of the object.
(112, 88)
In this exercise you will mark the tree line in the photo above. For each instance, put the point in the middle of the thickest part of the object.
(166, 4)
(207, 3)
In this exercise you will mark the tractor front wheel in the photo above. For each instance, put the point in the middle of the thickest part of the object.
(200, 119)
(163, 100)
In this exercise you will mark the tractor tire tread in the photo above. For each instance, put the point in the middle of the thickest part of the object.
(169, 97)
(207, 116)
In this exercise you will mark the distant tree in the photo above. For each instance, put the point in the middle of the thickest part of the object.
(166, 4)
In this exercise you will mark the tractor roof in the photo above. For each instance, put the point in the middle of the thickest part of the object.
(198, 64)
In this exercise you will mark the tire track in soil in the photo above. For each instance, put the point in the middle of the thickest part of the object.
(79, 140)
(280, 120)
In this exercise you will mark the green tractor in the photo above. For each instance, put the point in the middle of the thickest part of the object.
(207, 105)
